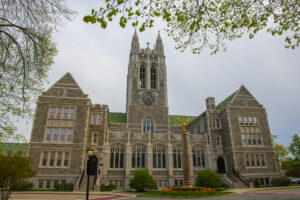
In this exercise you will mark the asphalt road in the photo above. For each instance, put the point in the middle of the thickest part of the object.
(277, 194)
(270, 194)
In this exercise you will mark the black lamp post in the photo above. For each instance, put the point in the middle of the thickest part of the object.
(90, 153)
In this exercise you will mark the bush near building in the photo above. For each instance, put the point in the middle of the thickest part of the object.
(209, 178)
(107, 187)
(64, 187)
(142, 181)
(281, 181)
(22, 186)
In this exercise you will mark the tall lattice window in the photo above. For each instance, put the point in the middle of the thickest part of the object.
(142, 77)
(55, 159)
(198, 157)
(255, 160)
(45, 158)
(159, 156)
(148, 125)
(138, 157)
(153, 77)
(117, 156)
(177, 157)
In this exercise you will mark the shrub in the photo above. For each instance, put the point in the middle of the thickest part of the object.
(64, 187)
(256, 183)
(69, 186)
(60, 187)
(22, 186)
(209, 178)
(142, 181)
(281, 181)
(109, 187)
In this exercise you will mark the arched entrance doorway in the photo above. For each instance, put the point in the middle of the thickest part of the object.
(221, 165)
(93, 165)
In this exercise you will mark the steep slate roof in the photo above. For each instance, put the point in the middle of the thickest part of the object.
(122, 118)
(117, 118)
(225, 102)
(174, 122)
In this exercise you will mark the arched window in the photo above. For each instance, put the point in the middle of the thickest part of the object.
(117, 156)
(177, 157)
(198, 157)
(153, 77)
(159, 156)
(148, 125)
(138, 157)
(142, 77)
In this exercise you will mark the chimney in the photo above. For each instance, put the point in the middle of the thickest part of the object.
(210, 103)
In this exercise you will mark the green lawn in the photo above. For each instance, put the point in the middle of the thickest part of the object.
(160, 194)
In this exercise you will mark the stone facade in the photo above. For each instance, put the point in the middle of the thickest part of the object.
(232, 138)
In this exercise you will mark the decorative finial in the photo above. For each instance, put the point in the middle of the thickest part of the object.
(184, 124)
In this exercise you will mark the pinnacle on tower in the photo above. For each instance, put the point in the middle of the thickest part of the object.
(158, 40)
(159, 44)
(135, 44)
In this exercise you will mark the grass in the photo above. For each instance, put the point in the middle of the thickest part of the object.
(160, 194)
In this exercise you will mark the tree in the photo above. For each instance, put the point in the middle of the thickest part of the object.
(203, 24)
(281, 154)
(142, 181)
(293, 167)
(208, 178)
(26, 54)
(13, 171)
(293, 164)
(295, 147)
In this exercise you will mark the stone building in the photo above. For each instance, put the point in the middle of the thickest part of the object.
(232, 138)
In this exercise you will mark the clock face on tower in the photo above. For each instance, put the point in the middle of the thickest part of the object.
(148, 98)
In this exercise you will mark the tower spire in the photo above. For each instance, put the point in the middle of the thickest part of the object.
(159, 47)
(135, 44)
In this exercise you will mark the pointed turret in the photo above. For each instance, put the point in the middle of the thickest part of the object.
(135, 44)
(159, 47)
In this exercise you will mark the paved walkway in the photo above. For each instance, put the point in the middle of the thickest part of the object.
(67, 196)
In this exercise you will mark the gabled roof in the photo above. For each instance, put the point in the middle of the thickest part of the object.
(242, 91)
(225, 102)
(67, 81)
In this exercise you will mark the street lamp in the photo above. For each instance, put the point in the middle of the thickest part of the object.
(90, 153)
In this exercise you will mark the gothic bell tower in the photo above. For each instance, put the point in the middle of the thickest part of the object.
(147, 100)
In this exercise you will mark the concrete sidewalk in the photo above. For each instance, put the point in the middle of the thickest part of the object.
(68, 195)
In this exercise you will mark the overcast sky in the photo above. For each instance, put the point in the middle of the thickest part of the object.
(98, 60)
